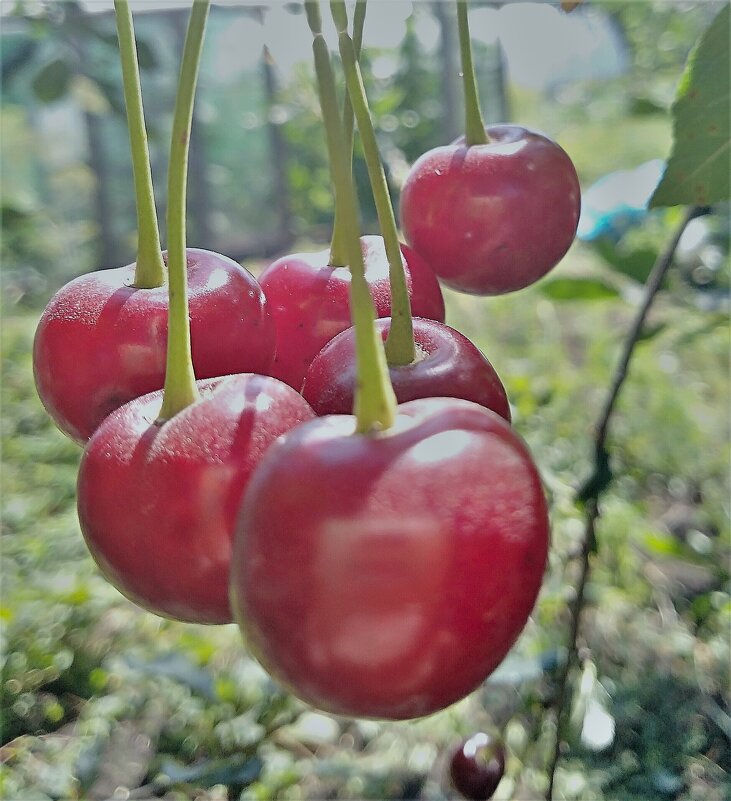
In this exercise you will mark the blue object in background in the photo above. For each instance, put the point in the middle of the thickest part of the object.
(618, 201)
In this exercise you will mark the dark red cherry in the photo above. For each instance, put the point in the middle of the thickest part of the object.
(447, 364)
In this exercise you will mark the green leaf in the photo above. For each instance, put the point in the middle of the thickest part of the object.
(699, 165)
(578, 289)
(636, 263)
(52, 81)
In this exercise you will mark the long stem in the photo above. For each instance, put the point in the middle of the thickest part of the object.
(598, 483)
(149, 267)
(180, 389)
(475, 133)
(337, 245)
(400, 342)
(375, 403)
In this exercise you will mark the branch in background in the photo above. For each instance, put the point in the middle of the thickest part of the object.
(600, 479)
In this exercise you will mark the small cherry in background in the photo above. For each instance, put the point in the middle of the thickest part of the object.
(497, 209)
(447, 364)
(161, 479)
(101, 340)
(477, 766)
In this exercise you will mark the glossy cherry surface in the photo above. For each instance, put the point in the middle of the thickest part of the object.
(477, 766)
(447, 365)
(158, 503)
(387, 575)
(495, 217)
(101, 342)
(310, 301)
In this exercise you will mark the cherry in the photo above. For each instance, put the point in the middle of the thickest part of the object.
(387, 574)
(158, 502)
(495, 217)
(310, 300)
(477, 766)
(101, 342)
(447, 365)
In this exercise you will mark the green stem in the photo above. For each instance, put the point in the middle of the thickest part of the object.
(180, 389)
(337, 245)
(375, 403)
(400, 342)
(475, 133)
(149, 267)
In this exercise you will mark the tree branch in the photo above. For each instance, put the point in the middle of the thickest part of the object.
(600, 479)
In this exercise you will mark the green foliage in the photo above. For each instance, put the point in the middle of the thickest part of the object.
(699, 168)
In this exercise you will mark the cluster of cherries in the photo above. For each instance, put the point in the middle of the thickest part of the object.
(380, 559)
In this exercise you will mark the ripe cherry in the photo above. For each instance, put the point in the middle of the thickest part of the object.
(101, 342)
(492, 218)
(386, 575)
(310, 301)
(477, 766)
(447, 365)
(158, 502)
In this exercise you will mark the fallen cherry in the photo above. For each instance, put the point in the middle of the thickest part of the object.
(495, 217)
(447, 365)
(102, 342)
(386, 575)
(310, 301)
(477, 766)
(158, 502)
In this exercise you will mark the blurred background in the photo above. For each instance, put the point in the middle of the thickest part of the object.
(97, 695)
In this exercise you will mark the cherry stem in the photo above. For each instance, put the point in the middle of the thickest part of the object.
(337, 246)
(400, 342)
(180, 389)
(375, 403)
(475, 133)
(149, 267)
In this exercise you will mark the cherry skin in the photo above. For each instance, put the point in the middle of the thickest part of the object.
(447, 365)
(158, 503)
(310, 301)
(387, 575)
(492, 218)
(101, 342)
(477, 766)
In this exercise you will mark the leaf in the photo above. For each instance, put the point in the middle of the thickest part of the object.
(636, 263)
(52, 81)
(210, 772)
(179, 668)
(578, 289)
(698, 169)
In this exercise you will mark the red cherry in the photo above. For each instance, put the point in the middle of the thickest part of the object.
(447, 365)
(310, 301)
(387, 575)
(158, 503)
(101, 342)
(477, 766)
(492, 218)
